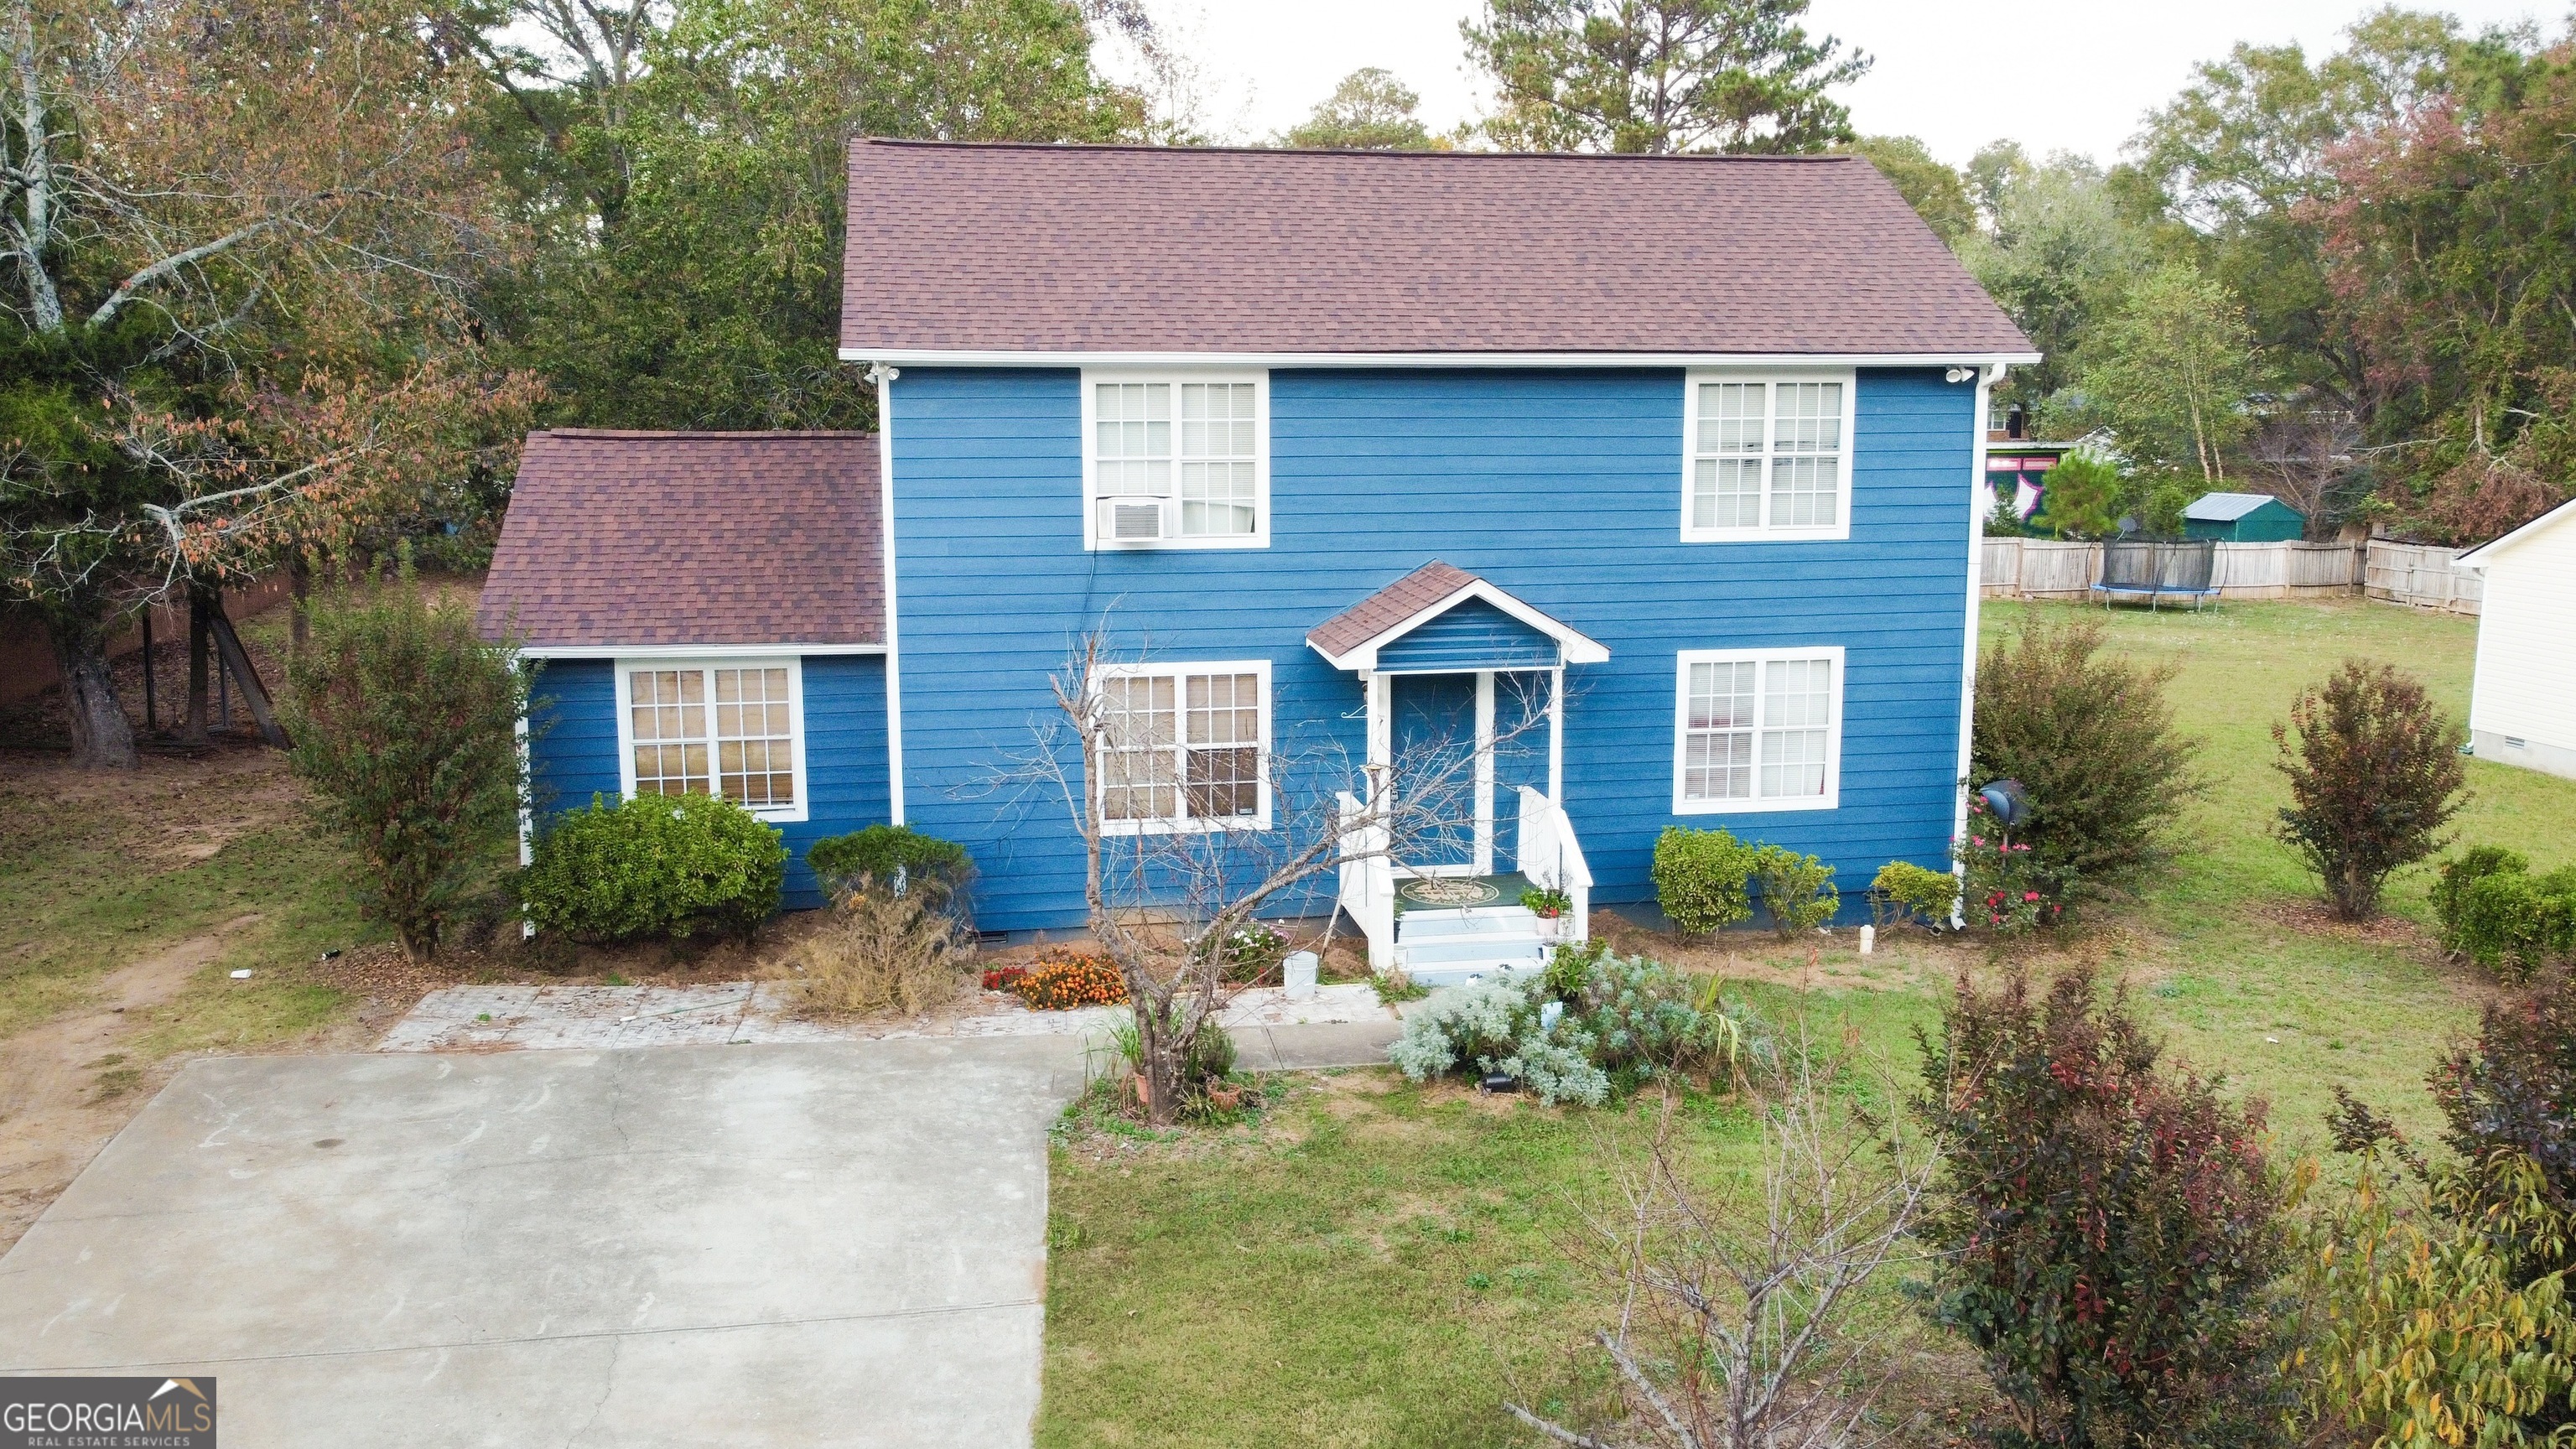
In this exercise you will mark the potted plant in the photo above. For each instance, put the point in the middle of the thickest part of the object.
(1549, 905)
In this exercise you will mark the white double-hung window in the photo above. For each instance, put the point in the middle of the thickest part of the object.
(1187, 747)
(734, 728)
(1757, 730)
(1766, 456)
(1178, 461)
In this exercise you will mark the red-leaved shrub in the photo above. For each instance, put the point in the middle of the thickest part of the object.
(2375, 774)
(2107, 1227)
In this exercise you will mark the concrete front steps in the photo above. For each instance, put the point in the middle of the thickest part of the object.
(1456, 946)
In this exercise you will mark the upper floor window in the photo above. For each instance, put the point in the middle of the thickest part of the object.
(1176, 462)
(1758, 730)
(1186, 747)
(730, 728)
(1767, 457)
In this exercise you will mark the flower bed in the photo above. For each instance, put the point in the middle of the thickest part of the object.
(1064, 979)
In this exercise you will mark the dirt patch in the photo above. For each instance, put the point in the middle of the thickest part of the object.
(2316, 918)
(69, 1084)
(1905, 958)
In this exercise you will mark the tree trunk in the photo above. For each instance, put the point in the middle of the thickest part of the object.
(192, 732)
(102, 737)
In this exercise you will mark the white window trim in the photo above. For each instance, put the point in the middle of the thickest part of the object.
(1841, 527)
(778, 815)
(1832, 796)
(1178, 670)
(1260, 535)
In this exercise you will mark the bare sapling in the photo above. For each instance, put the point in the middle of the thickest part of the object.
(1187, 840)
(1737, 1326)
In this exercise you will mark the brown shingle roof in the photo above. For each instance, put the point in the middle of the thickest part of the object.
(642, 538)
(1143, 249)
(1388, 607)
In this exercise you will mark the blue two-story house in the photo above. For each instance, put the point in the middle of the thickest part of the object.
(1646, 486)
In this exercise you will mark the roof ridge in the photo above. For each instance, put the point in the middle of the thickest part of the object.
(1133, 146)
(740, 435)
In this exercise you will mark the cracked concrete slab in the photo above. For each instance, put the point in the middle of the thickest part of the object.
(837, 1242)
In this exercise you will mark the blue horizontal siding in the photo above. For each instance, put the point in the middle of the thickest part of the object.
(573, 751)
(572, 736)
(1562, 487)
(1473, 635)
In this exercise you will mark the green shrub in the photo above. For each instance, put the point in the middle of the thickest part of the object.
(655, 865)
(2509, 921)
(1623, 1021)
(886, 854)
(2513, 923)
(2004, 888)
(2092, 741)
(2450, 892)
(404, 725)
(1909, 891)
(2083, 497)
(1798, 891)
(2375, 773)
(1253, 952)
(1699, 879)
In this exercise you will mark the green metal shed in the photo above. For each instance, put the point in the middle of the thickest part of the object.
(2242, 518)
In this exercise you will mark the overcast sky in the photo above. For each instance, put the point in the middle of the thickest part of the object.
(2073, 76)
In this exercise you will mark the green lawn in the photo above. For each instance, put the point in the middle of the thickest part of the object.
(1381, 1264)
(104, 872)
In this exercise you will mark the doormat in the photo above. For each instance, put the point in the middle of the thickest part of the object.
(1449, 892)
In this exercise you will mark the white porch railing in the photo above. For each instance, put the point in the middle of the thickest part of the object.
(1368, 881)
(1552, 858)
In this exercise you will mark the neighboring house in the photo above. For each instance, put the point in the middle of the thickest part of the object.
(2522, 705)
(2017, 470)
(1348, 452)
(2243, 518)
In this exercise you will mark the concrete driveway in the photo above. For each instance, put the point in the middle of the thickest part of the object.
(837, 1243)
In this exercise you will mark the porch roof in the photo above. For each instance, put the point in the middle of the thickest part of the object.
(1353, 638)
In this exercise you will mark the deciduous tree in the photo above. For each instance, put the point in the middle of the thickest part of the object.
(2170, 372)
(1938, 194)
(200, 201)
(1370, 110)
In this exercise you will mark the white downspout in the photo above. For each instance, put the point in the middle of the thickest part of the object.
(884, 376)
(1987, 377)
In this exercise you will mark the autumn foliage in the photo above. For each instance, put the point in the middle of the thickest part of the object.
(2108, 1224)
(2375, 774)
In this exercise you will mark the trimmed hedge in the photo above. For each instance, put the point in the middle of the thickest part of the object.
(655, 865)
(882, 852)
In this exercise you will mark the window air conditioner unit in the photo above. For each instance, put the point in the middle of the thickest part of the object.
(1131, 519)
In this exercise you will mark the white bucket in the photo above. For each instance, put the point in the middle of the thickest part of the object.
(1868, 939)
(1300, 968)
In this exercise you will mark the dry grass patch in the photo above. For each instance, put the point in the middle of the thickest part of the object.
(877, 953)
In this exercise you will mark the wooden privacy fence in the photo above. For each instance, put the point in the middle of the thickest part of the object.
(2041, 568)
(2420, 575)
